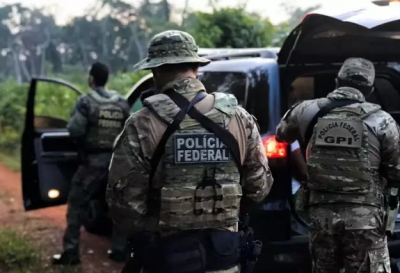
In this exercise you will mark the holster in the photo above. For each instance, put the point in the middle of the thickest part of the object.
(139, 246)
(252, 248)
(392, 208)
(202, 251)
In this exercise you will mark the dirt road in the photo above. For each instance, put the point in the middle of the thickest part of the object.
(46, 226)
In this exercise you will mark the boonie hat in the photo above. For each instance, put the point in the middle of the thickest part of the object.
(171, 47)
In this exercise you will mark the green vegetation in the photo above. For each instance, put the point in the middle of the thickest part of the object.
(51, 99)
(18, 254)
(11, 161)
(114, 32)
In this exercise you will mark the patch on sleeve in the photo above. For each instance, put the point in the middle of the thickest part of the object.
(199, 148)
(339, 133)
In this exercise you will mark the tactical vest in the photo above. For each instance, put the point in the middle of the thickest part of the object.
(185, 205)
(106, 120)
(340, 164)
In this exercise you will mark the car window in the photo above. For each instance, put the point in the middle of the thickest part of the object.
(53, 105)
(251, 90)
(226, 82)
(258, 97)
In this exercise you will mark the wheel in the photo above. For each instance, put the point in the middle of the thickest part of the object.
(96, 220)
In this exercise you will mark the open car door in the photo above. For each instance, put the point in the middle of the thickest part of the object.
(49, 157)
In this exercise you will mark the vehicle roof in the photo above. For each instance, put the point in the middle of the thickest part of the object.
(248, 52)
(237, 65)
(209, 51)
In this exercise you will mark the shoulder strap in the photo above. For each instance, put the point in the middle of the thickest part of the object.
(224, 135)
(322, 112)
(153, 196)
(146, 94)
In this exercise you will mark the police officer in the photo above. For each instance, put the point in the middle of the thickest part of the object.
(96, 120)
(193, 173)
(352, 156)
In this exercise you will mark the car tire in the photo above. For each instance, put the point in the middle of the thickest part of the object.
(96, 220)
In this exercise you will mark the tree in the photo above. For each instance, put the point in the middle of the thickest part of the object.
(230, 27)
(295, 14)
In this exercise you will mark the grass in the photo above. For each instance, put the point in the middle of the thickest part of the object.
(10, 161)
(18, 254)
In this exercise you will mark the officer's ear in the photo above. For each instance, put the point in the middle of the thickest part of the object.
(91, 80)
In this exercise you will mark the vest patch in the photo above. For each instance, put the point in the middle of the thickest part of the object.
(339, 133)
(110, 118)
(199, 148)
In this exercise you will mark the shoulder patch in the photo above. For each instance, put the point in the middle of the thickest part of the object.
(226, 103)
(337, 133)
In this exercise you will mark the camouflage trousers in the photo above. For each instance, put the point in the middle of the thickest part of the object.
(335, 248)
(83, 182)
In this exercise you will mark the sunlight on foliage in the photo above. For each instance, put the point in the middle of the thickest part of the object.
(51, 99)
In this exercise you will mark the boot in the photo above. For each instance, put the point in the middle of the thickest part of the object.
(117, 256)
(66, 258)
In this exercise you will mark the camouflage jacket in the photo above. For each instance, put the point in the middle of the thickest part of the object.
(130, 165)
(296, 120)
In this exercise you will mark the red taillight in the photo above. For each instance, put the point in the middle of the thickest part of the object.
(274, 149)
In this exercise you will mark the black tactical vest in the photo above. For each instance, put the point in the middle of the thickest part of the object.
(106, 120)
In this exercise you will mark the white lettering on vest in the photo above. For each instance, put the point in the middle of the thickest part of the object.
(111, 114)
(110, 118)
(199, 148)
(339, 133)
(105, 123)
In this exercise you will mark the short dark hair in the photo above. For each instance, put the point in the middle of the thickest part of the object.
(361, 87)
(99, 72)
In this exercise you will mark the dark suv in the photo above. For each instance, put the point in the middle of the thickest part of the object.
(266, 86)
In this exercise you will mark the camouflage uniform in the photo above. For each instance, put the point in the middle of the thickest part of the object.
(346, 196)
(95, 144)
(130, 164)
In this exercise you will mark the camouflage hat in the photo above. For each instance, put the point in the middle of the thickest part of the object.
(355, 68)
(171, 47)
